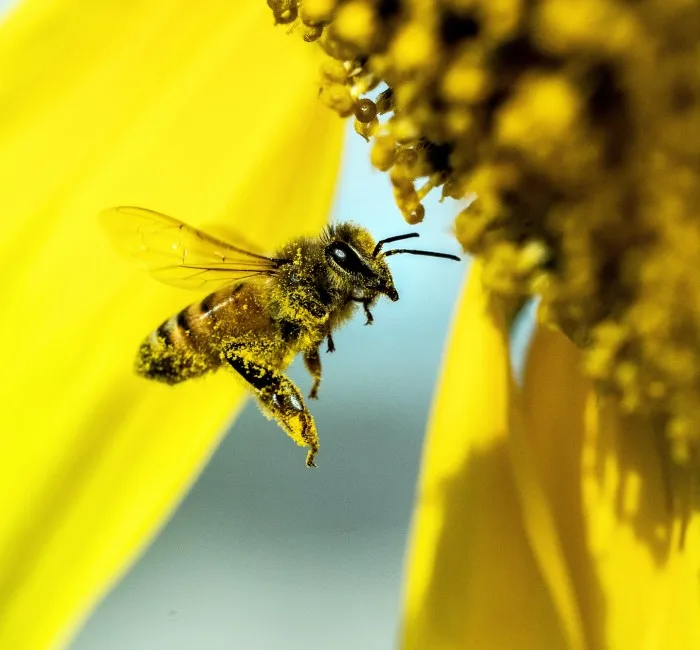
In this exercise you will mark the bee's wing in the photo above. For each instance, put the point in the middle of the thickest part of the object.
(178, 254)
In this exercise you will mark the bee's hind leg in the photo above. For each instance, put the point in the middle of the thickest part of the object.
(278, 397)
(312, 361)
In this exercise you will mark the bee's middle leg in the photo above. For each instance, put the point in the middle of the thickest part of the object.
(278, 397)
(312, 361)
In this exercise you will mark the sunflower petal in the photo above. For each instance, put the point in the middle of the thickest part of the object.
(472, 578)
(209, 114)
(622, 513)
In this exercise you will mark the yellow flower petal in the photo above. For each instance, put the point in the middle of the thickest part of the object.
(473, 581)
(620, 509)
(207, 113)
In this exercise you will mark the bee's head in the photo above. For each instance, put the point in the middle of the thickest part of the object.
(349, 252)
(358, 263)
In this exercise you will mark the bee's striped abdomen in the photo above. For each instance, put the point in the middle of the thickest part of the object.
(180, 348)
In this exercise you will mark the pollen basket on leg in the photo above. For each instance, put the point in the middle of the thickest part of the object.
(259, 364)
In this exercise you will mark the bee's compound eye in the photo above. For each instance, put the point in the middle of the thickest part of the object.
(346, 258)
(338, 253)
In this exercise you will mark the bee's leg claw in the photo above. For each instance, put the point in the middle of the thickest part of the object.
(313, 394)
(310, 457)
(331, 345)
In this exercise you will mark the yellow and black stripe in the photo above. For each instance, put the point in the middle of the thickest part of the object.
(179, 348)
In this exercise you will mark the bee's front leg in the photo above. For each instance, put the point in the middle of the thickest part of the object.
(312, 361)
(278, 397)
(366, 305)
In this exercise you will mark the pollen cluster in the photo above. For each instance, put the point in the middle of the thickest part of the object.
(577, 127)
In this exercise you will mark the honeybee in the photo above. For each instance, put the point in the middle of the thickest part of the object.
(261, 311)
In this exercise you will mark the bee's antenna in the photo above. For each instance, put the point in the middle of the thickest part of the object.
(446, 256)
(381, 243)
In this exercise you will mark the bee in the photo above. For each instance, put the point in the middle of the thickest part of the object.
(261, 311)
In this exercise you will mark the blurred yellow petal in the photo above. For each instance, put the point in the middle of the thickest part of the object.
(547, 519)
(622, 511)
(202, 111)
(473, 581)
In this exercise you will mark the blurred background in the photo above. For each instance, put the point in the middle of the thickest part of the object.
(265, 554)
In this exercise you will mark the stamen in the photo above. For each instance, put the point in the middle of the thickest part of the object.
(556, 122)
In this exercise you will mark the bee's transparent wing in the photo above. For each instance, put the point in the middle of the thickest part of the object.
(178, 254)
